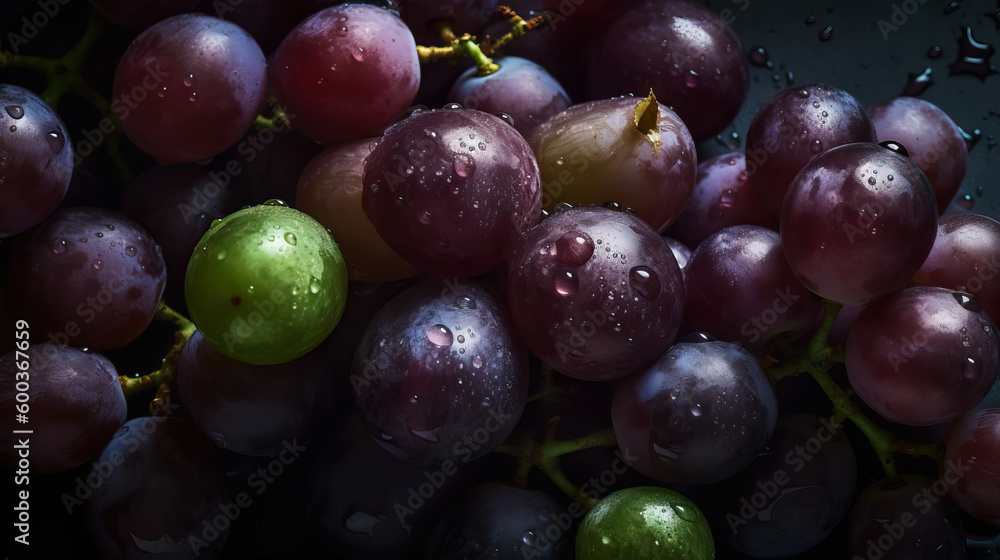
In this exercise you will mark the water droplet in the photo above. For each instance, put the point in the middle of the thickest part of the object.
(430, 436)
(871, 180)
(826, 33)
(461, 339)
(816, 146)
(98, 234)
(440, 335)
(314, 286)
(803, 93)
(189, 80)
(290, 238)
(98, 264)
(665, 454)
(574, 249)
(645, 282)
(425, 218)
(60, 246)
(973, 57)
(15, 111)
(950, 7)
(759, 57)
(358, 54)
(463, 165)
(691, 79)
(917, 84)
(934, 52)
(696, 410)
(13, 128)
(477, 362)
(970, 369)
(727, 198)
(162, 92)
(566, 283)
(56, 140)
(687, 514)
(963, 299)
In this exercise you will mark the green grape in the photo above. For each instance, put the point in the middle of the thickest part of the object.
(266, 284)
(645, 523)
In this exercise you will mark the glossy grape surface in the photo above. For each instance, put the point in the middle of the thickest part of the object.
(972, 450)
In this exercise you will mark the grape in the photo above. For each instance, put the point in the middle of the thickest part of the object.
(680, 251)
(923, 355)
(740, 288)
(256, 410)
(161, 491)
(266, 284)
(389, 505)
(794, 127)
(696, 416)
(75, 404)
(140, 15)
(503, 523)
(595, 293)
(857, 222)
(972, 449)
(793, 495)
(686, 53)
(932, 139)
(904, 518)
(722, 197)
(267, 21)
(176, 204)
(966, 257)
(644, 523)
(188, 87)
(451, 189)
(635, 152)
(438, 375)
(36, 160)
(267, 163)
(521, 88)
(345, 72)
(330, 190)
(86, 277)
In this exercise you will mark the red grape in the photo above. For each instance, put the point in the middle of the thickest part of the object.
(972, 451)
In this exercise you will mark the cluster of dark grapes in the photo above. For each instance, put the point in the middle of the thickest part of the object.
(402, 298)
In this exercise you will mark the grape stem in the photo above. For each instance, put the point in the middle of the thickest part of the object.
(162, 378)
(278, 121)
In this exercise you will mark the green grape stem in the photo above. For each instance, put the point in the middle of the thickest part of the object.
(162, 378)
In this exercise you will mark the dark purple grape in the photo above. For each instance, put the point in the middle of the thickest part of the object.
(722, 197)
(699, 415)
(140, 15)
(86, 277)
(684, 52)
(267, 21)
(521, 88)
(793, 495)
(451, 189)
(905, 518)
(345, 72)
(189, 87)
(857, 222)
(257, 410)
(965, 258)
(330, 190)
(267, 162)
(922, 356)
(595, 293)
(932, 139)
(632, 151)
(500, 522)
(740, 288)
(794, 127)
(388, 507)
(176, 204)
(36, 160)
(74, 405)
(682, 254)
(968, 466)
(162, 492)
(439, 374)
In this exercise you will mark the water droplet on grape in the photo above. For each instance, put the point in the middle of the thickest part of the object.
(574, 249)
(816, 146)
(440, 335)
(60, 246)
(453, 106)
(803, 93)
(13, 128)
(221, 255)
(359, 54)
(825, 34)
(425, 218)
(463, 165)
(871, 180)
(290, 238)
(477, 363)
(696, 410)
(645, 282)
(566, 283)
(98, 264)
(15, 111)
(970, 369)
(98, 234)
(684, 513)
(963, 299)
(727, 199)
(896, 147)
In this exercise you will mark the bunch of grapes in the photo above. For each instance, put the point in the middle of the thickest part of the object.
(456, 280)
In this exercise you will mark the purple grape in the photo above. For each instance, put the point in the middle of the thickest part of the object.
(345, 72)
(439, 375)
(451, 189)
(74, 405)
(965, 258)
(140, 15)
(257, 410)
(740, 288)
(36, 160)
(923, 355)
(521, 88)
(857, 222)
(680, 251)
(904, 518)
(722, 197)
(688, 55)
(500, 522)
(932, 139)
(595, 293)
(698, 415)
(176, 204)
(968, 466)
(162, 492)
(86, 277)
(793, 495)
(189, 87)
(635, 152)
(794, 127)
